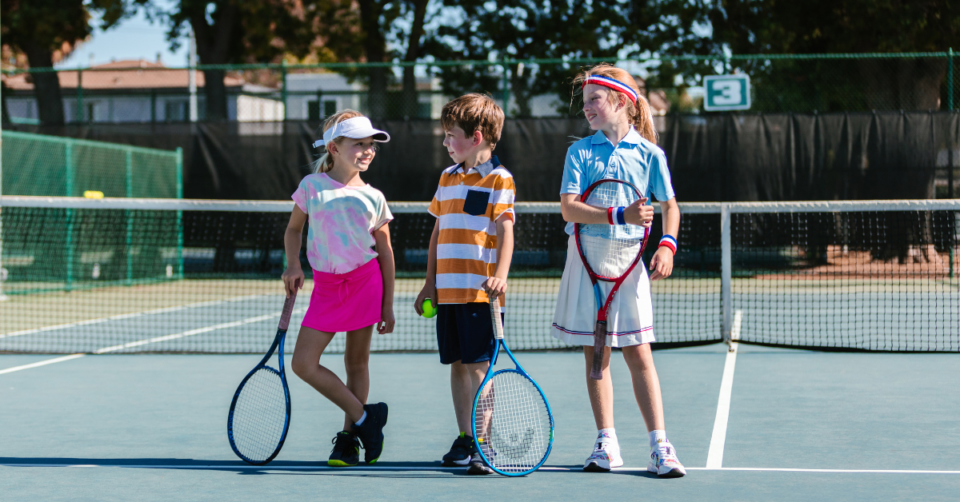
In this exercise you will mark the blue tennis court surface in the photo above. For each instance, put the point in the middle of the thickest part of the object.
(800, 425)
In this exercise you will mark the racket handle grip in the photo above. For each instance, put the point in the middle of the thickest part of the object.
(496, 319)
(599, 346)
(287, 311)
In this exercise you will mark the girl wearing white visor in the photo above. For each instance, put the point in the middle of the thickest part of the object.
(348, 248)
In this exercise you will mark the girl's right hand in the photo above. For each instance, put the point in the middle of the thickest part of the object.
(639, 213)
(428, 291)
(292, 280)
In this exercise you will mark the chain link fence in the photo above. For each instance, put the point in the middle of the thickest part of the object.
(41, 165)
(148, 92)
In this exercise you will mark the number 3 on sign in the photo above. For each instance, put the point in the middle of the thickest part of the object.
(726, 92)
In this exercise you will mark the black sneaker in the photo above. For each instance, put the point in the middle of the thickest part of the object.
(461, 451)
(371, 432)
(346, 450)
(478, 466)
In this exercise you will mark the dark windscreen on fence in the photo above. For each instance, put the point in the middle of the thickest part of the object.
(713, 157)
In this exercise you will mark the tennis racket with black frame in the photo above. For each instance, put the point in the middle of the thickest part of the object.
(609, 253)
(512, 421)
(260, 412)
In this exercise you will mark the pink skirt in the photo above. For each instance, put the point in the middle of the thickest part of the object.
(345, 302)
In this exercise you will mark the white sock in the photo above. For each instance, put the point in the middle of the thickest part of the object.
(610, 434)
(362, 418)
(658, 436)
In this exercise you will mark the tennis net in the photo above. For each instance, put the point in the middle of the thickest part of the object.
(186, 276)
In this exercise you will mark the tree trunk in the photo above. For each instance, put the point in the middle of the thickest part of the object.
(3, 104)
(216, 93)
(411, 103)
(374, 46)
(46, 85)
(520, 92)
(903, 84)
(214, 48)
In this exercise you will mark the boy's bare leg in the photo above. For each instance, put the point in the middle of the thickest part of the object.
(306, 364)
(646, 384)
(600, 391)
(464, 381)
(356, 361)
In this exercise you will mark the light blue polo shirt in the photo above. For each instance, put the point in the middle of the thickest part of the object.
(634, 159)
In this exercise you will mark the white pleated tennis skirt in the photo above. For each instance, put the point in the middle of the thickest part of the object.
(630, 319)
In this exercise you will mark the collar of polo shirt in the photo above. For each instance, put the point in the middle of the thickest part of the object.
(484, 169)
(632, 137)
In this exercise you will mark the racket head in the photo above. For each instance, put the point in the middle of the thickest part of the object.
(610, 251)
(259, 415)
(512, 423)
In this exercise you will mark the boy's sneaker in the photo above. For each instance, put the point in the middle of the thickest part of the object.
(371, 432)
(461, 451)
(346, 450)
(664, 462)
(605, 456)
(478, 466)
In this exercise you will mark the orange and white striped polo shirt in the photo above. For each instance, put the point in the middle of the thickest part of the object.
(467, 206)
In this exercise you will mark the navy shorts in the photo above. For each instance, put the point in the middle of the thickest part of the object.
(465, 333)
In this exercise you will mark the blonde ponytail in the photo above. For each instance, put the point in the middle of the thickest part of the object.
(325, 162)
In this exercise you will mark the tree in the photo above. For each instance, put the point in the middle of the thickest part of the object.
(525, 29)
(844, 26)
(237, 31)
(42, 28)
(532, 29)
(412, 53)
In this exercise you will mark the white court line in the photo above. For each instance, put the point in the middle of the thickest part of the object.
(41, 363)
(719, 437)
(245, 467)
(128, 316)
(147, 341)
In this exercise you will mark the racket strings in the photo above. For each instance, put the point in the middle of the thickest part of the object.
(260, 415)
(611, 249)
(513, 423)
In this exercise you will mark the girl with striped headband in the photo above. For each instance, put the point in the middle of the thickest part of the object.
(624, 148)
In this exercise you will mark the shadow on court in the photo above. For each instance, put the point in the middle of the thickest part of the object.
(801, 425)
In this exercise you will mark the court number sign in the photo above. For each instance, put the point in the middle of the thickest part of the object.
(726, 92)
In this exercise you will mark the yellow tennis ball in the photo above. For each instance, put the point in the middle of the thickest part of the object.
(428, 310)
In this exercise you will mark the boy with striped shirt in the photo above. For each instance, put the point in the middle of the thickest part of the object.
(469, 257)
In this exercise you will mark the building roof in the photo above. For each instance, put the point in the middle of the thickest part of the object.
(128, 74)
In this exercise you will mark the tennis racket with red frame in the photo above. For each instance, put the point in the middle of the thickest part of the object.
(609, 252)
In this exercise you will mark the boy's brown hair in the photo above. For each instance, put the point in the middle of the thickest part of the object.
(474, 112)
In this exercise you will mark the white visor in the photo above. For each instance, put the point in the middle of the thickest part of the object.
(356, 128)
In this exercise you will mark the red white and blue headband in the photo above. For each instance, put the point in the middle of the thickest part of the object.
(612, 83)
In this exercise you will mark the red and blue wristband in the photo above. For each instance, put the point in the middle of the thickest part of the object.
(669, 242)
(615, 216)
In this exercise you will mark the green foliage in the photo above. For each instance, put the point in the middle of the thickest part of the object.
(51, 24)
(839, 26)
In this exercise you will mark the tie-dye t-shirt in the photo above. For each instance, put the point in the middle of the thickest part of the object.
(342, 219)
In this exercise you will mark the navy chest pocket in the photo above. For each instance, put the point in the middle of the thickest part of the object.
(476, 202)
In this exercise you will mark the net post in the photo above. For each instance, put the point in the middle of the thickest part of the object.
(283, 88)
(79, 96)
(128, 215)
(3, 277)
(950, 79)
(179, 213)
(506, 88)
(725, 274)
(68, 168)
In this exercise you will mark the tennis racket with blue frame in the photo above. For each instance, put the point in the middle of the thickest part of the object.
(260, 412)
(512, 421)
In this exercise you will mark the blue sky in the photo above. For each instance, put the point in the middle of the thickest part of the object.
(133, 38)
